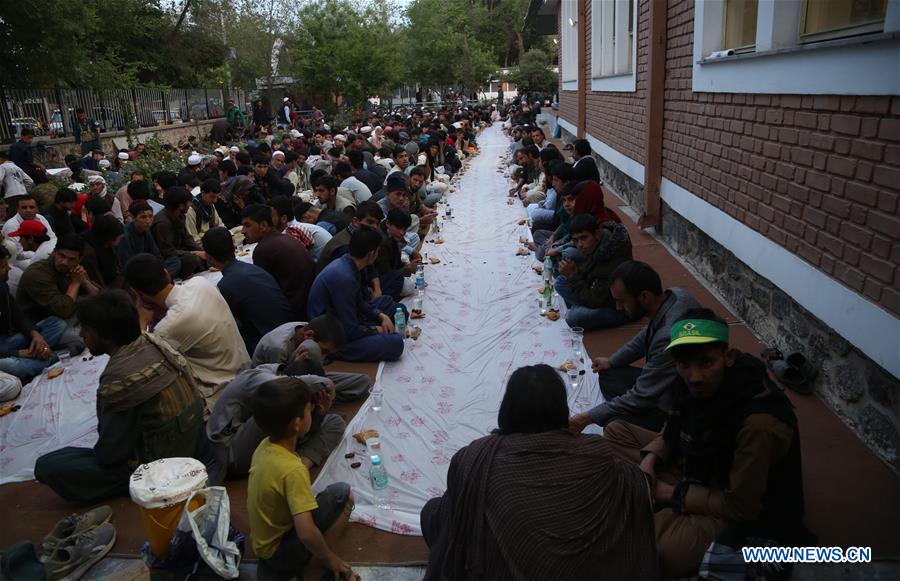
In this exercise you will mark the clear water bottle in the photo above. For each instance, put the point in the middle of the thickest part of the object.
(400, 322)
(377, 398)
(417, 301)
(379, 478)
(547, 303)
(548, 270)
(449, 211)
(420, 278)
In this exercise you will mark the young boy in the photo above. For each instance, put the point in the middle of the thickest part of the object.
(286, 521)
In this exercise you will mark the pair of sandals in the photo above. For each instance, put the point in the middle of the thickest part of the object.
(794, 371)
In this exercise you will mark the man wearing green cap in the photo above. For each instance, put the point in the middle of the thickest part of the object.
(726, 467)
(638, 395)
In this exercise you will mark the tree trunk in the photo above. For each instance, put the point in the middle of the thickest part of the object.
(520, 44)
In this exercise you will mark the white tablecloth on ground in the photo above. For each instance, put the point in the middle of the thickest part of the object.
(482, 323)
(214, 276)
(55, 413)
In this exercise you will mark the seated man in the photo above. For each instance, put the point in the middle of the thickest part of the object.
(393, 274)
(331, 220)
(727, 465)
(139, 240)
(368, 215)
(147, 406)
(201, 215)
(544, 214)
(25, 349)
(254, 297)
(234, 435)
(359, 190)
(588, 518)
(397, 198)
(194, 319)
(331, 196)
(639, 395)
(27, 210)
(339, 289)
(59, 215)
(312, 236)
(286, 522)
(169, 229)
(34, 245)
(49, 287)
(585, 287)
(282, 256)
(318, 338)
(100, 258)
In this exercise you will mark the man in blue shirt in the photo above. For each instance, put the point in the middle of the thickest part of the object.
(21, 153)
(339, 289)
(256, 301)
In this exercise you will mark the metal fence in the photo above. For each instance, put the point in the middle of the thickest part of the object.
(51, 112)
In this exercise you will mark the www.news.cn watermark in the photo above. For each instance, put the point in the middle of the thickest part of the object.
(807, 554)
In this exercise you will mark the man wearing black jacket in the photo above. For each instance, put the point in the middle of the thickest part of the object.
(726, 467)
(585, 167)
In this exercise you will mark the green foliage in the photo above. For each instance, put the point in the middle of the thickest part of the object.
(101, 43)
(534, 73)
(340, 48)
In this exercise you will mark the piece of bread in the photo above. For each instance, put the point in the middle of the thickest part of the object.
(55, 372)
(415, 315)
(434, 260)
(553, 315)
(567, 366)
(361, 437)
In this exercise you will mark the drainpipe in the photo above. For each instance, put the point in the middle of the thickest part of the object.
(582, 70)
(655, 102)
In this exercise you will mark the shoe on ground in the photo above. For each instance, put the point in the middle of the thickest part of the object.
(74, 525)
(72, 559)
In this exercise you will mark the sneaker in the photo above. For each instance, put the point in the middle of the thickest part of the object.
(72, 559)
(73, 525)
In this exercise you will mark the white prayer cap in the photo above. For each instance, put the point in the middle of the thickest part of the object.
(234, 149)
(123, 155)
(295, 134)
(104, 163)
(340, 137)
(277, 153)
(366, 129)
(194, 159)
(95, 178)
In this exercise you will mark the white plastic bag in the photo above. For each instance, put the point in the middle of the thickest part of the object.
(209, 525)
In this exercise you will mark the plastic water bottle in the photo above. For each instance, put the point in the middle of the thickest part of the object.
(417, 302)
(548, 270)
(400, 322)
(547, 303)
(420, 278)
(379, 478)
(449, 211)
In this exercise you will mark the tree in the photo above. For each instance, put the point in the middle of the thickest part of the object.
(534, 74)
(341, 49)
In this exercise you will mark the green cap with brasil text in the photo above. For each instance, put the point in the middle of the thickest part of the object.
(697, 332)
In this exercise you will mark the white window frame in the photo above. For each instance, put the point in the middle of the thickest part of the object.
(568, 62)
(608, 56)
(783, 64)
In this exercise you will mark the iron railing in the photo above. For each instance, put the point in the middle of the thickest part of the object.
(51, 112)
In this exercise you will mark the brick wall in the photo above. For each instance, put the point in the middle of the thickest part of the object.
(819, 175)
(617, 119)
(568, 106)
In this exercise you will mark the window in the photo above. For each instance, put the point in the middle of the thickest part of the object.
(613, 45)
(824, 19)
(818, 47)
(568, 31)
(740, 24)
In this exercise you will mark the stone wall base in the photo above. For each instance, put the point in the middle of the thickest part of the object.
(862, 394)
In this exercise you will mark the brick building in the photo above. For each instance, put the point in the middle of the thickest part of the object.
(761, 138)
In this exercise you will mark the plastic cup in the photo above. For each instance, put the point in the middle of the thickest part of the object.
(65, 358)
(573, 377)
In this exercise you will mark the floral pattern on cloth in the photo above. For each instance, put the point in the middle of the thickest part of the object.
(482, 323)
(55, 413)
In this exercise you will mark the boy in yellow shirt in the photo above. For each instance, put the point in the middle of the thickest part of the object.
(286, 521)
